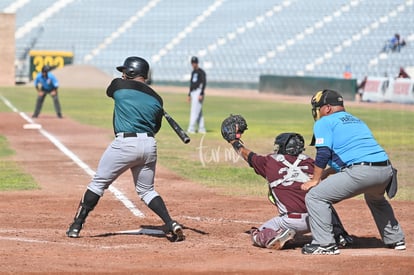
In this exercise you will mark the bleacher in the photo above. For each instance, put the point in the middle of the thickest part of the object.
(236, 41)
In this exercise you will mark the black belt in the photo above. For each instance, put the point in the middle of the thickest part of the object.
(364, 163)
(126, 135)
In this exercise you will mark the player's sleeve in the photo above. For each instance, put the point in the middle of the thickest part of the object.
(36, 81)
(258, 163)
(55, 82)
(115, 84)
(203, 82)
(191, 83)
(323, 143)
(158, 120)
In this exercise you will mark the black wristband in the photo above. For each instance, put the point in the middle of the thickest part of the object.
(237, 145)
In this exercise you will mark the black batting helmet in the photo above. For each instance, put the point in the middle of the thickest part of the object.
(134, 66)
(289, 144)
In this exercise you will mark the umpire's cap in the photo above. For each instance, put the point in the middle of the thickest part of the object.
(134, 66)
(326, 97)
(45, 69)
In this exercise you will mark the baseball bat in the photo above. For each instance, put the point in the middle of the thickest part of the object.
(178, 130)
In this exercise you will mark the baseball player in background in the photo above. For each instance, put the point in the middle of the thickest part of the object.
(46, 83)
(285, 170)
(137, 117)
(196, 97)
(357, 165)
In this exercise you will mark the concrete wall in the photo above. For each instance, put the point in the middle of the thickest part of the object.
(304, 85)
(7, 49)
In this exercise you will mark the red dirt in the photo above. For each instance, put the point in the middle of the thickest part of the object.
(33, 223)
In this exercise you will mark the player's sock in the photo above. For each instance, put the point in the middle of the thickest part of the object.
(158, 206)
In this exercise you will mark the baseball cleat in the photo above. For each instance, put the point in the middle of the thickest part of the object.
(398, 245)
(316, 249)
(74, 230)
(177, 232)
(344, 240)
(279, 241)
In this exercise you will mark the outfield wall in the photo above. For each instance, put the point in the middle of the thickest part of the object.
(306, 85)
(7, 49)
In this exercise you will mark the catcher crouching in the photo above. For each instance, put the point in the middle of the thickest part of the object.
(286, 169)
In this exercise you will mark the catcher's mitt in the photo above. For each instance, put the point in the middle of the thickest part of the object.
(233, 127)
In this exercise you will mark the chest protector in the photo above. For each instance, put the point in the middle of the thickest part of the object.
(294, 173)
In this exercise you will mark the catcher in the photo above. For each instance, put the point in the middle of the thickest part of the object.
(285, 170)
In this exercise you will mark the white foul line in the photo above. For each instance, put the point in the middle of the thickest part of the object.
(117, 193)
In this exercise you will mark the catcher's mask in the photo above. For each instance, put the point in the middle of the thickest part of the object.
(289, 144)
(325, 97)
(134, 66)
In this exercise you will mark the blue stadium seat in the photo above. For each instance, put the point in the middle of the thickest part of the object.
(273, 37)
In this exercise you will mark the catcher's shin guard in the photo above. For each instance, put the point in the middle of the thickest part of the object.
(86, 205)
(269, 238)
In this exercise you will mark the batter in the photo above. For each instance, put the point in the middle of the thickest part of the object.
(137, 117)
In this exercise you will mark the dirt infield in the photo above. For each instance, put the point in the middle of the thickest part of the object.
(33, 223)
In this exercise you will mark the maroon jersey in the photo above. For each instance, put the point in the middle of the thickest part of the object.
(282, 173)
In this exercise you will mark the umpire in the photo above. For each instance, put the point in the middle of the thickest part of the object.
(358, 165)
(46, 83)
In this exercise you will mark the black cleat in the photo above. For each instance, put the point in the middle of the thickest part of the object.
(74, 230)
(177, 231)
(316, 249)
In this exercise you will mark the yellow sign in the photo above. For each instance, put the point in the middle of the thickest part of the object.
(54, 59)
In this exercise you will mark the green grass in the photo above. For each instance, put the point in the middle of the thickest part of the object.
(12, 176)
(210, 160)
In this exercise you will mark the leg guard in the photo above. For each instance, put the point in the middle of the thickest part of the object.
(87, 204)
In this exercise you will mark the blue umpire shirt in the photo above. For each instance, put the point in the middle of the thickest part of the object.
(48, 83)
(342, 139)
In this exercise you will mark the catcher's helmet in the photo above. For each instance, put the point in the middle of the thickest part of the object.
(289, 144)
(134, 66)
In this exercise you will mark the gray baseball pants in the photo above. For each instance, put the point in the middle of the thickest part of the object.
(368, 180)
(284, 222)
(196, 113)
(138, 154)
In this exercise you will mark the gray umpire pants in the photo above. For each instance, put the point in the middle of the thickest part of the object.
(41, 99)
(368, 180)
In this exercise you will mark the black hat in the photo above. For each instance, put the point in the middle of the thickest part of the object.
(325, 97)
(45, 69)
(194, 59)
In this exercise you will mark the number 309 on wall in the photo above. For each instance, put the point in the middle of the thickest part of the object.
(54, 59)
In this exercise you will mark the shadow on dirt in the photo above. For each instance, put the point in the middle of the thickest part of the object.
(150, 230)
